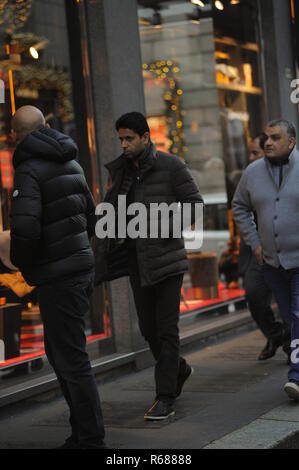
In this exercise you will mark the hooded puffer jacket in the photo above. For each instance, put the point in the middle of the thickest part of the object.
(52, 211)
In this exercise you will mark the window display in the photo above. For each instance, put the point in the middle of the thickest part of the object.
(204, 101)
(35, 70)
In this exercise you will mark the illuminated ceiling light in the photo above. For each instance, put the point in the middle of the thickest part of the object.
(234, 2)
(36, 47)
(34, 53)
(200, 3)
(219, 5)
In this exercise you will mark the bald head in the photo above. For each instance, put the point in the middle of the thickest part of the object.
(26, 120)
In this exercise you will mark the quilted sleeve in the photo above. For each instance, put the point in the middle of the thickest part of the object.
(26, 212)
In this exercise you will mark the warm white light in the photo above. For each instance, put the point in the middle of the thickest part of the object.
(219, 5)
(234, 2)
(34, 53)
(200, 3)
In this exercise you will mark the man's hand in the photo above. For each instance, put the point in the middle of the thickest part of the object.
(258, 253)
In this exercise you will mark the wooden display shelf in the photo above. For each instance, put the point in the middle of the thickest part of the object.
(240, 88)
(228, 41)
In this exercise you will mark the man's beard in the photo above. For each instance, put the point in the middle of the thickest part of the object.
(278, 160)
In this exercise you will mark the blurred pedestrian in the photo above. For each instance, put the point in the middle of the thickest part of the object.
(269, 187)
(52, 218)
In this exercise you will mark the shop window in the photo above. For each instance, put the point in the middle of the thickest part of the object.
(203, 96)
(34, 70)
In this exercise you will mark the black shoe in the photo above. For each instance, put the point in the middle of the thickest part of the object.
(100, 446)
(182, 378)
(70, 443)
(160, 410)
(292, 389)
(270, 349)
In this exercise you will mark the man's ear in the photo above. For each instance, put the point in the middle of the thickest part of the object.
(292, 143)
(146, 137)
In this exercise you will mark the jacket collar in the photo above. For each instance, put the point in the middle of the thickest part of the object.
(292, 161)
(146, 161)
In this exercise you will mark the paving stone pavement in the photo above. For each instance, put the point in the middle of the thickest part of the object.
(228, 392)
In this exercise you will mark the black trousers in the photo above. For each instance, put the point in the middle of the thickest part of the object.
(63, 305)
(259, 297)
(158, 309)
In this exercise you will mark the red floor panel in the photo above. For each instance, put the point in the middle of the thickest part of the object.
(32, 345)
(190, 303)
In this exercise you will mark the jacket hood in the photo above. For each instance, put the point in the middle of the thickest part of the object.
(46, 144)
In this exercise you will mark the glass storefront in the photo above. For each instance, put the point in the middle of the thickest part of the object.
(204, 102)
(35, 69)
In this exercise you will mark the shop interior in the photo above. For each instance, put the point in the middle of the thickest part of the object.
(35, 70)
(204, 101)
(201, 69)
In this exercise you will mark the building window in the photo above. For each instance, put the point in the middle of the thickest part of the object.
(204, 102)
(35, 70)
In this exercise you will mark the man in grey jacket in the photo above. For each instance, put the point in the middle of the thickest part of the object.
(270, 188)
(258, 294)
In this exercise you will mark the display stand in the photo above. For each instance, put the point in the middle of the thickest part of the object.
(203, 269)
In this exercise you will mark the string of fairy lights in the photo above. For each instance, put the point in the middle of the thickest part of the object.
(14, 14)
(43, 77)
(168, 71)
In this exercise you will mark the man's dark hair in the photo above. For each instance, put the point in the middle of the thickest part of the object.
(284, 124)
(262, 139)
(134, 121)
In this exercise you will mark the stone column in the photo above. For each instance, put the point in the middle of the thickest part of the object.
(279, 59)
(116, 88)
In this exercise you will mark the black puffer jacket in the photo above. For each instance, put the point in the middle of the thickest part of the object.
(52, 211)
(162, 178)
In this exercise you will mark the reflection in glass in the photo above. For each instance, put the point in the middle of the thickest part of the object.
(35, 70)
(204, 103)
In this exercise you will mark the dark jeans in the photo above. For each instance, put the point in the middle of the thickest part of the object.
(259, 296)
(63, 305)
(158, 309)
(285, 286)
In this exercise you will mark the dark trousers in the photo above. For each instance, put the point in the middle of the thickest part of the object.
(63, 305)
(158, 309)
(258, 296)
(285, 286)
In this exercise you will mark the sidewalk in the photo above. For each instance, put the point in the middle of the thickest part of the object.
(231, 401)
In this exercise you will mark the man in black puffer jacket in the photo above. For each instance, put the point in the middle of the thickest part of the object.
(155, 265)
(52, 217)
